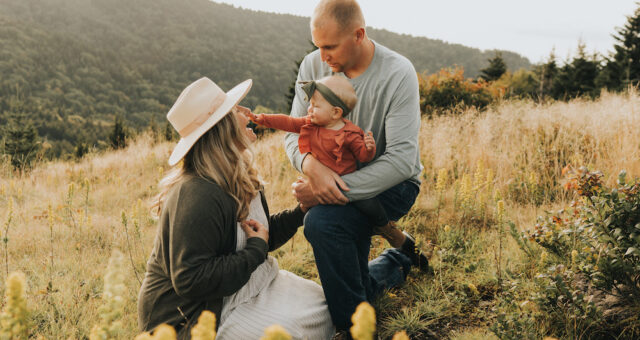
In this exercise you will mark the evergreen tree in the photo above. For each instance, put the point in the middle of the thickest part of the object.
(169, 134)
(291, 92)
(118, 137)
(623, 67)
(21, 141)
(81, 149)
(578, 77)
(496, 68)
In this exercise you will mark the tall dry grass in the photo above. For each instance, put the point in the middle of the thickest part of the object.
(514, 139)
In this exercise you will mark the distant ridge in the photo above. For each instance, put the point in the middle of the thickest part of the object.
(71, 65)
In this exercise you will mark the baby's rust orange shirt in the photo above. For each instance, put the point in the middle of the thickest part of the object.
(337, 149)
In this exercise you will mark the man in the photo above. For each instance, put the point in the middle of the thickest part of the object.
(386, 85)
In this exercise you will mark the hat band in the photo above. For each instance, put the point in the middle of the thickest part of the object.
(196, 123)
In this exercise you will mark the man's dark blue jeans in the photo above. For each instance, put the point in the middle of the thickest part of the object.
(341, 238)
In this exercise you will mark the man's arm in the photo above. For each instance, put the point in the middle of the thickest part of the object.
(397, 163)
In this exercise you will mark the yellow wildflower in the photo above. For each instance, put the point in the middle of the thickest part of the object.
(205, 329)
(441, 182)
(275, 332)
(466, 190)
(543, 257)
(447, 229)
(143, 336)
(472, 289)
(574, 256)
(500, 211)
(112, 307)
(13, 320)
(364, 322)
(164, 332)
(400, 336)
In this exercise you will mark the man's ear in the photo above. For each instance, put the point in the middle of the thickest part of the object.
(360, 33)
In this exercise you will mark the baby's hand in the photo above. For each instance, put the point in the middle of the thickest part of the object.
(369, 142)
(247, 112)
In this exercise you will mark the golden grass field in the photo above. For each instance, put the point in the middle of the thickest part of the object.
(67, 217)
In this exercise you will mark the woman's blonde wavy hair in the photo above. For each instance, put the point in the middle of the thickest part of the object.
(222, 156)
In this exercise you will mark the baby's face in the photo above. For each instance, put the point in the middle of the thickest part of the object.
(320, 111)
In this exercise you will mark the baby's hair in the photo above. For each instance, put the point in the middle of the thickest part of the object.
(343, 89)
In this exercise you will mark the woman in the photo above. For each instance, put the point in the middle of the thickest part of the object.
(215, 230)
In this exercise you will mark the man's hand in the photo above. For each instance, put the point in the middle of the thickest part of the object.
(369, 142)
(323, 185)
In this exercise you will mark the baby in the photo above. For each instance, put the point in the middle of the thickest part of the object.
(340, 144)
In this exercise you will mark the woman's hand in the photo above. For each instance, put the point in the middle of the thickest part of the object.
(254, 228)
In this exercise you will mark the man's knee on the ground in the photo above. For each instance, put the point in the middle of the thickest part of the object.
(312, 224)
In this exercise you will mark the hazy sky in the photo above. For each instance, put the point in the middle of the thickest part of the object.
(531, 28)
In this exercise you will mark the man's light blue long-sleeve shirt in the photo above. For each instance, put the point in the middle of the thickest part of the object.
(388, 105)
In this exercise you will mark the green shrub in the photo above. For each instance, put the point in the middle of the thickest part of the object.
(448, 90)
(588, 261)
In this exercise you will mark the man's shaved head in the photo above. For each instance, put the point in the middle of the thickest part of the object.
(346, 13)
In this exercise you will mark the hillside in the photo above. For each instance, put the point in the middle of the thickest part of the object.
(66, 217)
(69, 66)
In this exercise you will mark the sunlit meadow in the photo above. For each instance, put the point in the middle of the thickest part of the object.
(61, 222)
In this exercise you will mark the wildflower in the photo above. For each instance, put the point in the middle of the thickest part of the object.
(466, 190)
(400, 336)
(489, 178)
(112, 300)
(50, 213)
(478, 176)
(497, 195)
(205, 329)
(164, 332)
(447, 229)
(275, 332)
(441, 182)
(543, 257)
(500, 210)
(472, 289)
(13, 320)
(574, 256)
(364, 322)
(143, 336)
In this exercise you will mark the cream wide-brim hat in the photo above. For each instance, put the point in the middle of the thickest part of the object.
(198, 108)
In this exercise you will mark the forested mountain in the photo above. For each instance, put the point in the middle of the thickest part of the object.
(70, 66)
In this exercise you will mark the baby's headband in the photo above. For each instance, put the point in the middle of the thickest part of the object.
(311, 86)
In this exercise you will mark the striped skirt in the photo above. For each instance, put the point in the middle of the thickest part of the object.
(274, 296)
